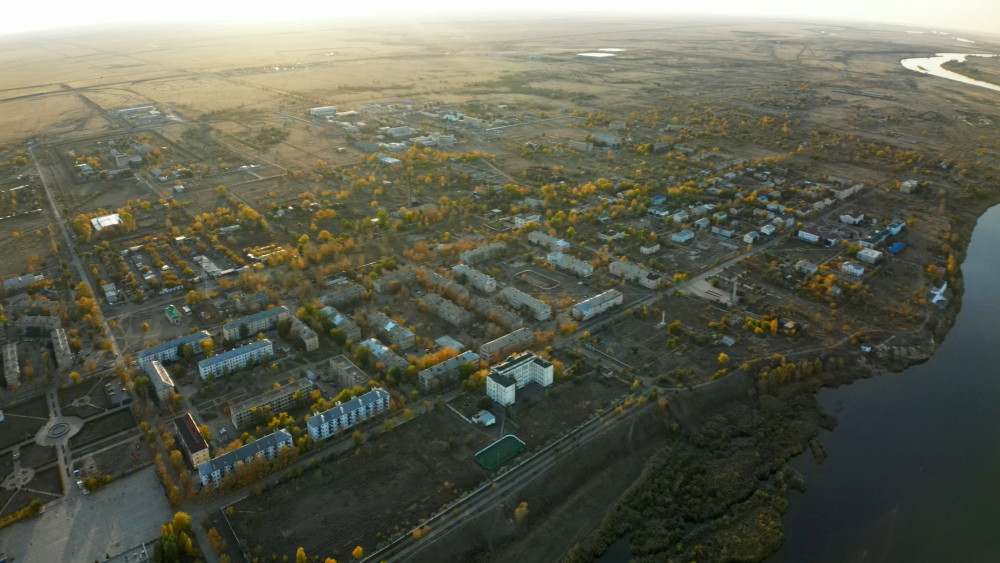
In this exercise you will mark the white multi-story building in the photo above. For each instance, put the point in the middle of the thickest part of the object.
(256, 323)
(522, 369)
(518, 299)
(11, 369)
(501, 389)
(475, 278)
(570, 264)
(524, 219)
(852, 269)
(60, 349)
(447, 310)
(212, 472)
(340, 417)
(230, 361)
(384, 355)
(170, 351)
(590, 308)
(635, 273)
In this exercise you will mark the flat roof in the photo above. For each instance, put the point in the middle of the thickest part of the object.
(207, 362)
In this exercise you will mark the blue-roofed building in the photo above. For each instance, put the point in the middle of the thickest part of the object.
(268, 447)
(170, 351)
(230, 361)
(257, 322)
(593, 306)
(896, 247)
(446, 371)
(346, 415)
(351, 330)
(659, 199)
(394, 332)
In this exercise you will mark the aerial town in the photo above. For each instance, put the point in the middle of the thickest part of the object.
(344, 325)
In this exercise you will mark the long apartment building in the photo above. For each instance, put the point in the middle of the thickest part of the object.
(233, 360)
(516, 341)
(170, 351)
(60, 349)
(403, 276)
(593, 306)
(213, 471)
(159, 378)
(520, 300)
(483, 253)
(343, 296)
(191, 440)
(11, 369)
(636, 273)
(255, 323)
(570, 264)
(447, 371)
(384, 355)
(547, 241)
(495, 313)
(441, 284)
(523, 369)
(475, 278)
(355, 411)
(395, 333)
(351, 330)
(447, 310)
(278, 400)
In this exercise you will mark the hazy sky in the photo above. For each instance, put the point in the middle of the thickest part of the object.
(32, 15)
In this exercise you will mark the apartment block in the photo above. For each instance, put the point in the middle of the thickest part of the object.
(403, 276)
(570, 264)
(351, 330)
(518, 299)
(341, 417)
(483, 253)
(384, 355)
(170, 351)
(212, 472)
(635, 273)
(191, 440)
(233, 360)
(305, 333)
(443, 285)
(590, 308)
(277, 400)
(475, 278)
(495, 313)
(11, 369)
(343, 296)
(395, 333)
(447, 371)
(60, 349)
(517, 341)
(547, 241)
(346, 373)
(159, 378)
(256, 323)
(447, 310)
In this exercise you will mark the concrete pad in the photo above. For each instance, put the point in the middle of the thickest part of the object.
(117, 517)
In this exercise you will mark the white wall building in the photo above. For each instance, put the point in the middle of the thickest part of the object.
(570, 264)
(501, 388)
(475, 278)
(635, 273)
(518, 299)
(233, 360)
(590, 308)
(355, 411)
(268, 447)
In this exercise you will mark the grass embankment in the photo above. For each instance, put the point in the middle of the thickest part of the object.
(976, 69)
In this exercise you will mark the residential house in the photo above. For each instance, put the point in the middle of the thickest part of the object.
(346, 415)
(233, 360)
(268, 447)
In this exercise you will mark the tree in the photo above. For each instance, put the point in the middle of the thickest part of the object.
(521, 512)
(300, 556)
(358, 553)
(723, 358)
(145, 327)
(207, 346)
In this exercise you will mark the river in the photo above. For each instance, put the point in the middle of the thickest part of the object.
(913, 467)
(932, 66)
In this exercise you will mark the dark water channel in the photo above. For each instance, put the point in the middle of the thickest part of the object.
(913, 467)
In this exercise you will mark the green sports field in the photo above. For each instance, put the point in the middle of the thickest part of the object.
(500, 452)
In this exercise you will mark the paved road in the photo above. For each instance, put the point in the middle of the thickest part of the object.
(88, 527)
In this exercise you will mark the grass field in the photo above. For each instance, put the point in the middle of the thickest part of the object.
(103, 427)
(500, 452)
(18, 428)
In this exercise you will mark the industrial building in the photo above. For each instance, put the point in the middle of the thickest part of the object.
(483, 253)
(191, 440)
(268, 447)
(170, 351)
(255, 323)
(447, 371)
(447, 310)
(233, 360)
(276, 400)
(513, 342)
(475, 278)
(518, 300)
(635, 273)
(590, 308)
(323, 111)
(397, 334)
(340, 417)
(570, 264)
